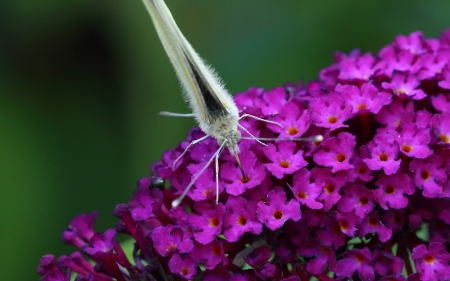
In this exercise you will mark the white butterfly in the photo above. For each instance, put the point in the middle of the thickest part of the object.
(213, 107)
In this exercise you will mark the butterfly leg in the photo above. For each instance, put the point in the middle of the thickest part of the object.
(252, 136)
(217, 173)
(184, 152)
(177, 201)
(259, 119)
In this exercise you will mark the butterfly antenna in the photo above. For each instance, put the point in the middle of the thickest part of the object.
(173, 114)
(312, 139)
(177, 201)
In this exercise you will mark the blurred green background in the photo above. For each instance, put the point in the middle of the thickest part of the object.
(81, 83)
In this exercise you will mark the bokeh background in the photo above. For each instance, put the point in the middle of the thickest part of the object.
(81, 83)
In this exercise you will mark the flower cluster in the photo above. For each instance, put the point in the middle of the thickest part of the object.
(369, 202)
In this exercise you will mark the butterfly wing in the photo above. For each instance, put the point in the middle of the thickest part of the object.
(202, 87)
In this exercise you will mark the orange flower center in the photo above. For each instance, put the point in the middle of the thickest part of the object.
(241, 220)
(278, 214)
(329, 188)
(332, 119)
(361, 106)
(390, 189)
(359, 258)
(363, 201)
(343, 225)
(292, 131)
(302, 195)
(340, 157)
(373, 222)
(430, 259)
(407, 148)
(185, 271)
(425, 175)
(383, 156)
(208, 192)
(362, 169)
(213, 222)
(444, 138)
(399, 91)
(285, 164)
(171, 247)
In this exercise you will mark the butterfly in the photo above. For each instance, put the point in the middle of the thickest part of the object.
(212, 105)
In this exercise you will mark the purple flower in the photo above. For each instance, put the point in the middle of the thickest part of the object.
(208, 223)
(393, 114)
(383, 152)
(373, 224)
(405, 85)
(294, 118)
(359, 68)
(285, 160)
(185, 267)
(432, 263)
(414, 43)
(306, 192)
(356, 261)
(356, 199)
(433, 63)
(240, 218)
(276, 212)
(258, 257)
(441, 127)
(272, 101)
(397, 60)
(285, 249)
(322, 256)
(331, 235)
(336, 153)
(101, 243)
(394, 219)
(348, 223)
(361, 170)
(331, 185)
(386, 264)
(56, 275)
(441, 102)
(247, 99)
(232, 177)
(217, 274)
(330, 111)
(210, 254)
(445, 83)
(413, 141)
(364, 99)
(205, 185)
(392, 189)
(80, 230)
(169, 239)
(429, 175)
(145, 202)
